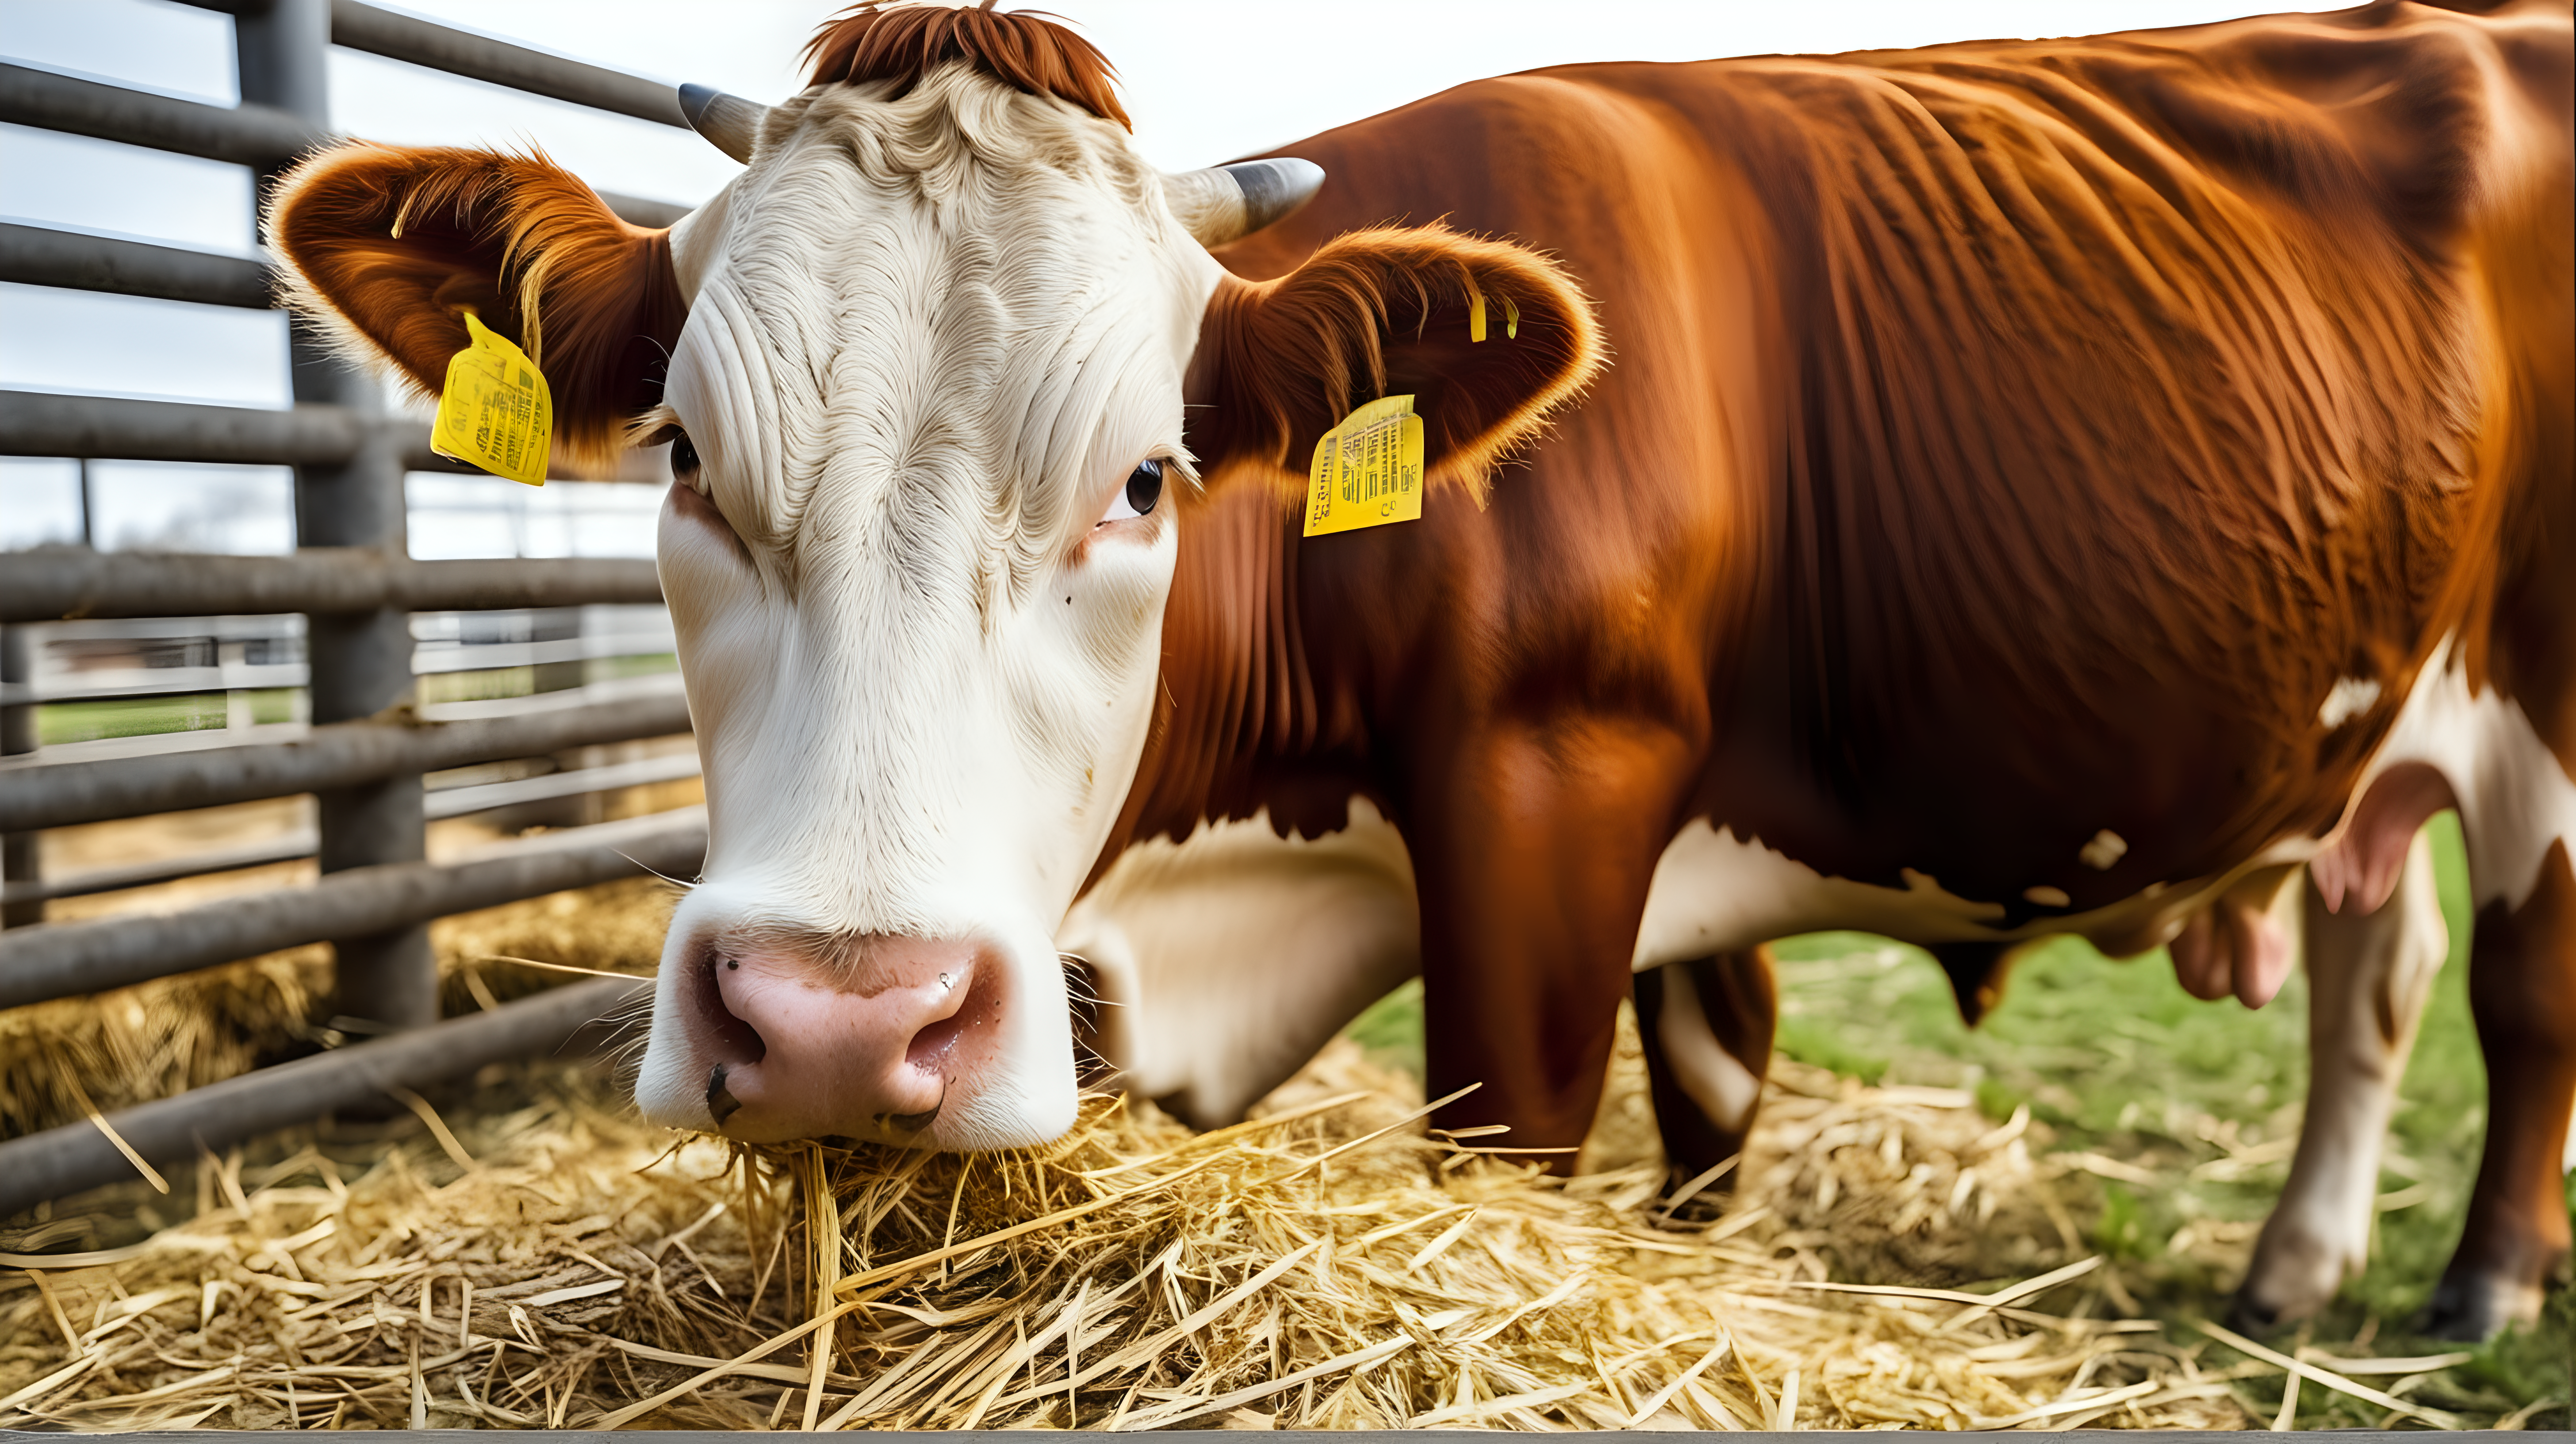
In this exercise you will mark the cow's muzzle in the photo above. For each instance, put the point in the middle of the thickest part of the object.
(857, 1038)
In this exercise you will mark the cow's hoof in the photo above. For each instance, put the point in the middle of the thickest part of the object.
(2294, 1275)
(2249, 1315)
(2476, 1306)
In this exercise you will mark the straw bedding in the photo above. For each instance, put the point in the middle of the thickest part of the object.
(1327, 1265)
(538, 1257)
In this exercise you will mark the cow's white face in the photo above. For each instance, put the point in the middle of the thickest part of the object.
(918, 583)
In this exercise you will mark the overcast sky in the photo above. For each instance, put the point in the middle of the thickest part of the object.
(1206, 80)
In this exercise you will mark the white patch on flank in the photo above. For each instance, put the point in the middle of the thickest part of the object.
(2351, 697)
(1715, 893)
(2047, 897)
(1710, 1076)
(1223, 963)
(2106, 848)
(2515, 799)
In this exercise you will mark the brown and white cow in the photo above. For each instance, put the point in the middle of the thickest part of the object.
(2035, 488)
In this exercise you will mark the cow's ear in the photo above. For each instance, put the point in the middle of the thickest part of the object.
(1388, 313)
(389, 248)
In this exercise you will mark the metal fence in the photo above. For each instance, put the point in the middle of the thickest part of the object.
(362, 640)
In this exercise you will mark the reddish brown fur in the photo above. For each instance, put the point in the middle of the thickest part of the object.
(403, 242)
(902, 43)
(2007, 442)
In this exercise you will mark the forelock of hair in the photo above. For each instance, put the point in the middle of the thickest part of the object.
(1025, 49)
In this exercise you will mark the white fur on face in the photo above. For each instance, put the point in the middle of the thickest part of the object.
(933, 340)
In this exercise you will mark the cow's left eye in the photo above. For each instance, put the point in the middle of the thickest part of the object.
(1144, 488)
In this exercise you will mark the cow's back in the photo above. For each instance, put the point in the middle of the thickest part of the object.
(2052, 421)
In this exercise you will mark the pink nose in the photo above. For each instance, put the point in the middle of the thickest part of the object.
(805, 1048)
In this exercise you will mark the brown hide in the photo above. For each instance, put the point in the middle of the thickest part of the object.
(2002, 442)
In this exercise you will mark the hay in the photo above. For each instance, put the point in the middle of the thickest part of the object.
(155, 1039)
(1328, 1265)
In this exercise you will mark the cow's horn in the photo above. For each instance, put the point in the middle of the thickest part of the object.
(1228, 202)
(730, 121)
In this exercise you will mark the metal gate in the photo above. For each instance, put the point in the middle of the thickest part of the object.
(366, 749)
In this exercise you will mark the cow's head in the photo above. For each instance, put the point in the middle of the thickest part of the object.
(925, 376)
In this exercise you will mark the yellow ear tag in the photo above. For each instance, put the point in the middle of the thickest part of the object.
(1368, 470)
(496, 412)
(1476, 315)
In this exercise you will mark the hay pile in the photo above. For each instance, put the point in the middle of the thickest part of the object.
(1327, 1265)
(132, 1045)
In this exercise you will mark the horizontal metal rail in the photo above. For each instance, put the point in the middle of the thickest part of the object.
(60, 583)
(62, 960)
(446, 802)
(160, 682)
(41, 423)
(63, 1161)
(285, 847)
(498, 62)
(41, 256)
(441, 803)
(252, 135)
(341, 754)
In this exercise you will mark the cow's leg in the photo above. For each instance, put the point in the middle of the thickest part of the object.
(1707, 1027)
(2522, 991)
(1533, 851)
(2368, 978)
(1223, 963)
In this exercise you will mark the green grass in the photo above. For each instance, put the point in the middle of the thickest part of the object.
(61, 722)
(2118, 1059)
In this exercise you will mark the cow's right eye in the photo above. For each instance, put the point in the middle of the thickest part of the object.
(684, 460)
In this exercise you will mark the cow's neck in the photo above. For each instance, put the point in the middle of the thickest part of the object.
(1243, 718)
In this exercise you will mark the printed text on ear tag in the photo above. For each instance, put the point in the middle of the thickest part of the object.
(496, 412)
(1368, 470)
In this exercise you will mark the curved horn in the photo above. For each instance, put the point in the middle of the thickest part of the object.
(1228, 202)
(729, 121)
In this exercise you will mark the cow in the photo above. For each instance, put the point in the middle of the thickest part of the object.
(1973, 495)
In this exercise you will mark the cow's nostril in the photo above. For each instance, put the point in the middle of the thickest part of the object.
(732, 1040)
(932, 1044)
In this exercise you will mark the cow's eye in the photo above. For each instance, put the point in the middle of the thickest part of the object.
(1144, 488)
(684, 460)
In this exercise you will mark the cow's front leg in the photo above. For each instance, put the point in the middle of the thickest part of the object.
(1707, 1025)
(1533, 852)
(2368, 978)
(2522, 992)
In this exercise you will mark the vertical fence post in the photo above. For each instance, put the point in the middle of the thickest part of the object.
(361, 661)
(18, 857)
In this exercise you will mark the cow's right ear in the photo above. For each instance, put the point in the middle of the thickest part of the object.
(389, 248)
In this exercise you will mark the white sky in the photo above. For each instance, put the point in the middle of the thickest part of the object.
(1206, 80)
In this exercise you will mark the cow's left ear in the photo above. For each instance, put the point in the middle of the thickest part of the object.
(389, 247)
(1388, 313)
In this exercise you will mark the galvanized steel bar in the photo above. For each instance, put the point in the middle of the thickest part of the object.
(497, 62)
(247, 134)
(61, 960)
(57, 583)
(261, 136)
(384, 969)
(42, 256)
(63, 1161)
(20, 858)
(37, 423)
(339, 754)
